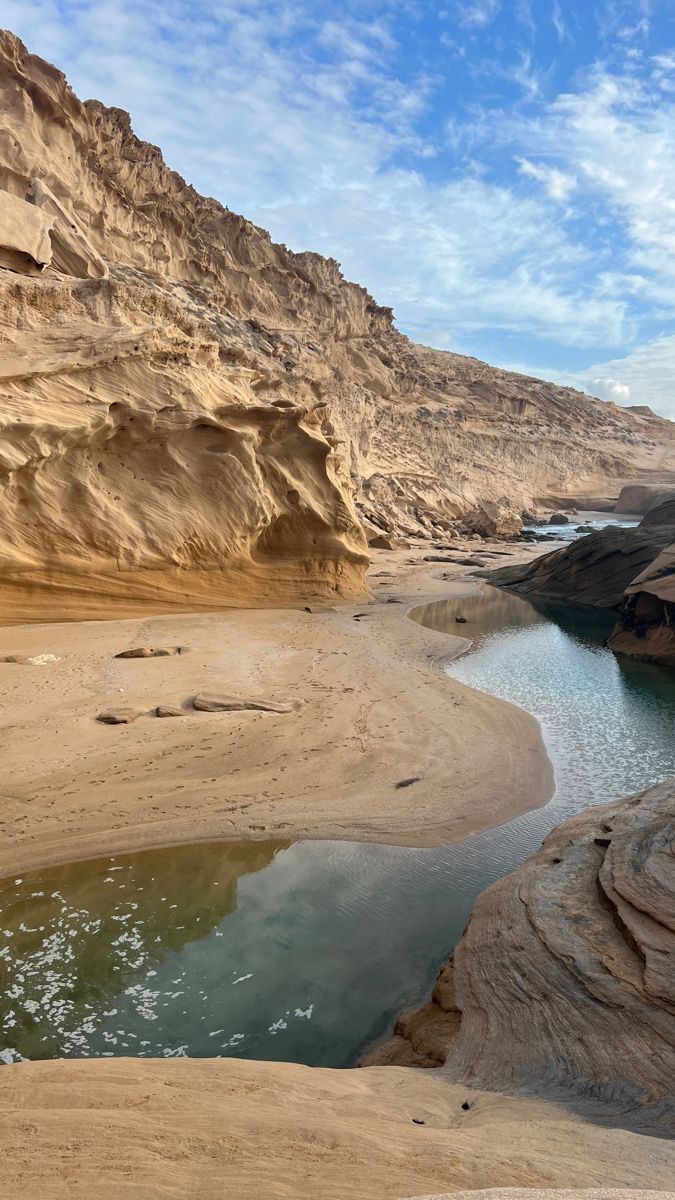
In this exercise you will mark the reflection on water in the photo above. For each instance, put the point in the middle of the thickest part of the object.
(307, 951)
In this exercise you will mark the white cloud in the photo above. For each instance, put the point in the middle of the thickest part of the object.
(608, 389)
(478, 13)
(558, 185)
(559, 22)
(647, 375)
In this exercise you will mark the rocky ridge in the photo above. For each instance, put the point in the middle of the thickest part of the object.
(578, 948)
(192, 412)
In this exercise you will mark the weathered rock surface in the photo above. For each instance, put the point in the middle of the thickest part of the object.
(120, 716)
(24, 236)
(218, 703)
(641, 498)
(594, 570)
(493, 520)
(631, 570)
(192, 430)
(646, 625)
(565, 975)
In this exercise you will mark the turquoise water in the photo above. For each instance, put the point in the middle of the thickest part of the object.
(307, 951)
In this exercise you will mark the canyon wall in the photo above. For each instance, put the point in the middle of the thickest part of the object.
(194, 416)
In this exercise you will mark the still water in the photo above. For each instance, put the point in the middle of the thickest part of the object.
(307, 951)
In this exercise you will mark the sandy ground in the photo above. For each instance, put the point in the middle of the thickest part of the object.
(369, 706)
(230, 1129)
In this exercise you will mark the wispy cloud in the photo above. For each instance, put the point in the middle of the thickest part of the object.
(477, 13)
(558, 184)
(526, 213)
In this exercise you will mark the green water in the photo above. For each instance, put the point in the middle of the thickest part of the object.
(307, 951)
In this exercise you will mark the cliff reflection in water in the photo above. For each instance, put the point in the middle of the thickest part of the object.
(76, 937)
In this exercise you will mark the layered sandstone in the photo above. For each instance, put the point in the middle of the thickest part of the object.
(594, 570)
(191, 411)
(564, 980)
(631, 570)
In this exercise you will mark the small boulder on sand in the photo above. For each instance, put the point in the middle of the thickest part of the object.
(220, 703)
(169, 710)
(120, 716)
(32, 660)
(149, 652)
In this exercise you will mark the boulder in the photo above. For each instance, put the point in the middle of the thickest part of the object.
(25, 245)
(593, 570)
(641, 498)
(149, 652)
(558, 519)
(491, 519)
(646, 625)
(120, 716)
(220, 703)
(386, 541)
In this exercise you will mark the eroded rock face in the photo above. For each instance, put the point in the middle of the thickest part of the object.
(25, 244)
(190, 412)
(641, 498)
(565, 975)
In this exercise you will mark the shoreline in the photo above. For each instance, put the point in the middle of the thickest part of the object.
(369, 705)
(196, 1125)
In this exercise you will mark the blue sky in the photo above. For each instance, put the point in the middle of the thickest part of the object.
(501, 172)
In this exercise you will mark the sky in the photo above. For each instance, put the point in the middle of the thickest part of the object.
(500, 172)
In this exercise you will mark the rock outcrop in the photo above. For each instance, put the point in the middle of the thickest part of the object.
(564, 979)
(631, 570)
(190, 412)
(641, 498)
(646, 625)
(594, 570)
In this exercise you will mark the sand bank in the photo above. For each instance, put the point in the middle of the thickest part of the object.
(368, 706)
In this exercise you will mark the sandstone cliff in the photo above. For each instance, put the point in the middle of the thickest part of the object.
(564, 979)
(190, 411)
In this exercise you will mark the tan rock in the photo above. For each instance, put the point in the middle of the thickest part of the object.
(169, 710)
(219, 703)
(25, 245)
(565, 975)
(493, 520)
(72, 252)
(120, 716)
(149, 652)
